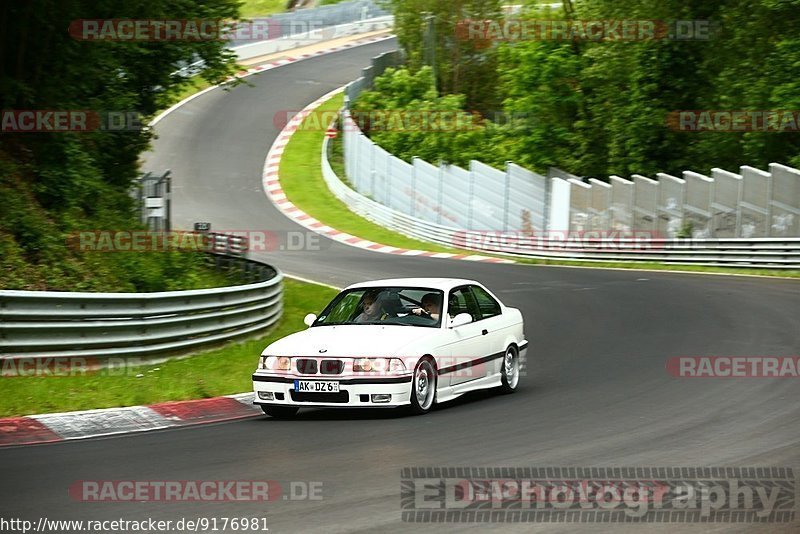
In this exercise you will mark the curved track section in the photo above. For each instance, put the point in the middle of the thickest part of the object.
(596, 392)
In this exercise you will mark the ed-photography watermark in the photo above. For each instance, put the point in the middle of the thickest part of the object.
(597, 494)
(194, 490)
(734, 366)
(485, 32)
(734, 121)
(65, 120)
(190, 241)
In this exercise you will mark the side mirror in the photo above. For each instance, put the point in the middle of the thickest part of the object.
(309, 319)
(460, 320)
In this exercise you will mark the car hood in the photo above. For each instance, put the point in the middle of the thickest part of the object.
(355, 340)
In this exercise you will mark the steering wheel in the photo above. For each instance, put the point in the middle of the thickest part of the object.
(426, 314)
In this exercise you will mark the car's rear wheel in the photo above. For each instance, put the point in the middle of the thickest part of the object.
(423, 387)
(509, 373)
(280, 412)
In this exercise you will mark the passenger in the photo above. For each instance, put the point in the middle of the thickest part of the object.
(431, 306)
(373, 311)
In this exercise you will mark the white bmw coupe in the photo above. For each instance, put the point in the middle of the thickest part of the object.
(408, 342)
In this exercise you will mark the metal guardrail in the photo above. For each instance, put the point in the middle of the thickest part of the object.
(773, 253)
(304, 27)
(251, 51)
(44, 324)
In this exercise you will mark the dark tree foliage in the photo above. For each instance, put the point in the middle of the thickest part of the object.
(55, 183)
(601, 107)
(432, 32)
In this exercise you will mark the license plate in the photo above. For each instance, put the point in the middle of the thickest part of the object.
(316, 386)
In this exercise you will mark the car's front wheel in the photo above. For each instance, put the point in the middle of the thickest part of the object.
(509, 374)
(280, 412)
(423, 387)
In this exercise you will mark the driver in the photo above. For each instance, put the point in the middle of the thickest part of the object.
(431, 306)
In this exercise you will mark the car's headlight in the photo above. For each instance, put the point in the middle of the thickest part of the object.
(277, 363)
(396, 365)
(377, 365)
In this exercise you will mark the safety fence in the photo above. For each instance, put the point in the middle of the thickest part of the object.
(749, 204)
(44, 324)
(302, 27)
(749, 219)
(752, 203)
(301, 20)
(774, 253)
(249, 53)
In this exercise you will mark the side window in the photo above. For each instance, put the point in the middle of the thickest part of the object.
(346, 308)
(487, 305)
(462, 301)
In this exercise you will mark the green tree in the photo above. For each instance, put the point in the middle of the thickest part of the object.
(55, 183)
(602, 107)
(418, 122)
(432, 33)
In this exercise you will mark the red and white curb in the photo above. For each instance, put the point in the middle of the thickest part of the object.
(289, 59)
(49, 428)
(56, 427)
(272, 187)
(273, 65)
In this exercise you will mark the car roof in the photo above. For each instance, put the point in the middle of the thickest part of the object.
(433, 283)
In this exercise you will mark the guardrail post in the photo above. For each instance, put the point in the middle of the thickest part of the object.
(372, 171)
(440, 195)
(413, 187)
(168, 201)
(470, 197)
(506, 196)
(141, 193)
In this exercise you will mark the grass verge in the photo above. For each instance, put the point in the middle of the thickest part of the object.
(301, 180)
(223, 371)
(256, 8)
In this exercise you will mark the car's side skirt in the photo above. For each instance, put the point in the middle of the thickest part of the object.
(449, 393)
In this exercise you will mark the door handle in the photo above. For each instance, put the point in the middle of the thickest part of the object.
(485, 332)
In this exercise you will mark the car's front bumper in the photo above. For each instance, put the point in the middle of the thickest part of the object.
(353, 392)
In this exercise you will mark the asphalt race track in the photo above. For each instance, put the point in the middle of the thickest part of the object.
(596, 391)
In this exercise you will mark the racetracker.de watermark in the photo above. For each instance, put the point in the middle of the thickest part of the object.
(485, 32)
(597, 494)
(734, 120)
(558, 240)
(65, 120)
(384, 120)
(148, 30)
(194, 490)
(66, 366)
(402, 121)
(183, 241)
(734, 366)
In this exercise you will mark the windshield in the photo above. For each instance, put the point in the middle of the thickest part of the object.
(406, 306)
